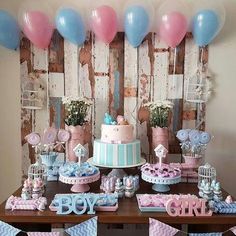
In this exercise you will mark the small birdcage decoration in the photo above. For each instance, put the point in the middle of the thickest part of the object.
(206, 174)
(198, 87)
(38, 170)
(33, 93)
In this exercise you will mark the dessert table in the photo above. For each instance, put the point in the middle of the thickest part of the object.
(127, 213)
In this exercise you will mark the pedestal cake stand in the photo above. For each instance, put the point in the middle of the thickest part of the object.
(80, 184)
(117, 170)
(160, 184)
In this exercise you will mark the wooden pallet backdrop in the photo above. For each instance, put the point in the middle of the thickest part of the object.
(118, 77)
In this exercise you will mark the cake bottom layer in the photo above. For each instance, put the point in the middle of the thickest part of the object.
(108, 154)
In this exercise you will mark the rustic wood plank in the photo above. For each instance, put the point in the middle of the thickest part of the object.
(26, 115)
(86, 86)
(56, 84)
(116, 74)
(100, 52)
(131, 85)
(56, 53)
(56, 112)
(71, 69)
(145, 81)
(161, 67)
(190, 67)
(175, 86)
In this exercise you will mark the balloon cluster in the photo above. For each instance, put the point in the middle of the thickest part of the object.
(171, 21)
(193, 142)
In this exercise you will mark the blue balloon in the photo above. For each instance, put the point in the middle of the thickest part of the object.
(70, 25)
(9, 31)
(205, 27)
(136, 24)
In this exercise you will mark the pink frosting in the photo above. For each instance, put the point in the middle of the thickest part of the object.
(117, 133)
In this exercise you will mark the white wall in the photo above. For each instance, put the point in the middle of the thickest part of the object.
(10, 148)
(221, 111)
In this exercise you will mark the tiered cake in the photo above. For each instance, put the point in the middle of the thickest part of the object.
(117, 146)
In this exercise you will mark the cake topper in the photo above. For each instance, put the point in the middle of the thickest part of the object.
(80, 151)
(109, 120)
(160, 152)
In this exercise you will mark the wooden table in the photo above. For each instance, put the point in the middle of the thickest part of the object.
(127, 213)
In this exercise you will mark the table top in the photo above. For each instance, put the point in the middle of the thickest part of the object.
(128, 211)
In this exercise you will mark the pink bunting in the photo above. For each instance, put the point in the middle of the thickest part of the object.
(233, 229)
(157, 228)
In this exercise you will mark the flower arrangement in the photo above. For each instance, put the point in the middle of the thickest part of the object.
(193, 142)
(76, 110)
(159, 112)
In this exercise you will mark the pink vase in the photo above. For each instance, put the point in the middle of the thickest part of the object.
(160, 136)
(193, 161)
(77, 135)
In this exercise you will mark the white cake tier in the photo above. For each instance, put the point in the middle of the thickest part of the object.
(108, 154)
(117, 133)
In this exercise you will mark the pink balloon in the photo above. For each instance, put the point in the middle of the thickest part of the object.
(104, 23)
(38, 29)
(173, 28)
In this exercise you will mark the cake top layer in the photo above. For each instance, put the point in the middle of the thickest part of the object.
(72, 169)
(160, 171)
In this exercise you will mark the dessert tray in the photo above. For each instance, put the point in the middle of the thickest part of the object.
(80, 184)
(161, 175)
(78, 174)
(158, 202)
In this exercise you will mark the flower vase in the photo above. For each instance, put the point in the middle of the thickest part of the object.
(194, 161)
(77, 135)
(160, 136)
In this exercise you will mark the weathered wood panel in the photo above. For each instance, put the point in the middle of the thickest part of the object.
(131, 84)
(119, 79)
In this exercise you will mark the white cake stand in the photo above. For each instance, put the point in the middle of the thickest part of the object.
(80, 184)
(117, 171)
(160, 184)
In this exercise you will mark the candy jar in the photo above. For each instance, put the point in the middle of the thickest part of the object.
(201, 188)
(37, 189)
(26, 191)
(129, 188)
(217, 192)
(119, 188)
(207, 193)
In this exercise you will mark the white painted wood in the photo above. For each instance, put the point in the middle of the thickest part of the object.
(161, 68)
(40, 58)
(42, 116)
(101, 65)
(56, 84)
(40, 119)
(23, 71)
(144, 83)
(175, 86)
(101, 56)
(84, 82)
(191, 62)
(71, 52)
(131, 82)
(101, 102)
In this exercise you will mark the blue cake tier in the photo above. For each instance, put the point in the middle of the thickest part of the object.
(109, 154)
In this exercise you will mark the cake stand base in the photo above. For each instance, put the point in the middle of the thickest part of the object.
(160, 188)
(119, 173)
(80, 188)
